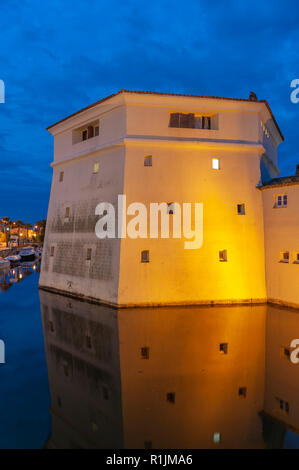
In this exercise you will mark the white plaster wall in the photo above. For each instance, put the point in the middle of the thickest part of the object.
(281, 234)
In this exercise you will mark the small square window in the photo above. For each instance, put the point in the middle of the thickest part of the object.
(217, 437)
(283, 405)
(281, 200)
(241, 209)
(215, 163)
(148, 160)
(170, 397)
(61, 175)
(223, 255)
(96, 167)
(170, 208)
(145, 353)
(52, 249)
(223, 348)
(242, 392)
(284, 257)
(67, 212)
(145, 256)
(296, 258)
(88, 254)
(96, 131)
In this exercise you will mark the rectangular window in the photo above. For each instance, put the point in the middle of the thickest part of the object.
(241, 209)
(190, 121)
(96, 167)
(145, 256)
(88, 255)
(281, 200)
(67, 212)
(223, 348)
(216, 437)
(51, 326)
(284, 257)
(145, 353)
(215, 163)
(86, 132)
(283, 405)
(52, 249)
(61, 175)
(170, 397)
(223, 255)
(148, 160)
(296, 258)
(242, 392)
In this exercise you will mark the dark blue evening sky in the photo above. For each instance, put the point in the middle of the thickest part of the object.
(59, 56)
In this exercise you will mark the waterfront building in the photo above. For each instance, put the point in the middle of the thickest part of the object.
(153, 148)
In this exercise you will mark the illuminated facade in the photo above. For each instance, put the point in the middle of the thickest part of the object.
(163, 148)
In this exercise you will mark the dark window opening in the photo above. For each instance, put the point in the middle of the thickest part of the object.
(148, 160)
(241, 209)
(242, 392)
(145, 256)
(189, 121)
(170, 397)
(223, 347)
(145, 353)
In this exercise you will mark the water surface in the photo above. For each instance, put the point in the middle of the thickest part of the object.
(79, 375)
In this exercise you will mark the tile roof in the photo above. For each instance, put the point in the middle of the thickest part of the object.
(282, 181)
(169, 94)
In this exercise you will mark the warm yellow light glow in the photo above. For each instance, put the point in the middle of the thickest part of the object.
(215, 163)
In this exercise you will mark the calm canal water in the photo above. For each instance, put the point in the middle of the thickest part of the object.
(79, 375)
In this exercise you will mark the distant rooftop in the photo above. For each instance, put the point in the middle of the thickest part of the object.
(283, 180)
(252, 98)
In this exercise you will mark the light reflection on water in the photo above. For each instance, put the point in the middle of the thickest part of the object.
(179, 377)
(155, 377)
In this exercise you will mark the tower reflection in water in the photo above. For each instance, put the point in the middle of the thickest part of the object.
(179, 377)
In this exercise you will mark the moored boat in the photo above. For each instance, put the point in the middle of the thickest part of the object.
(27, 254)
(14, 259)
